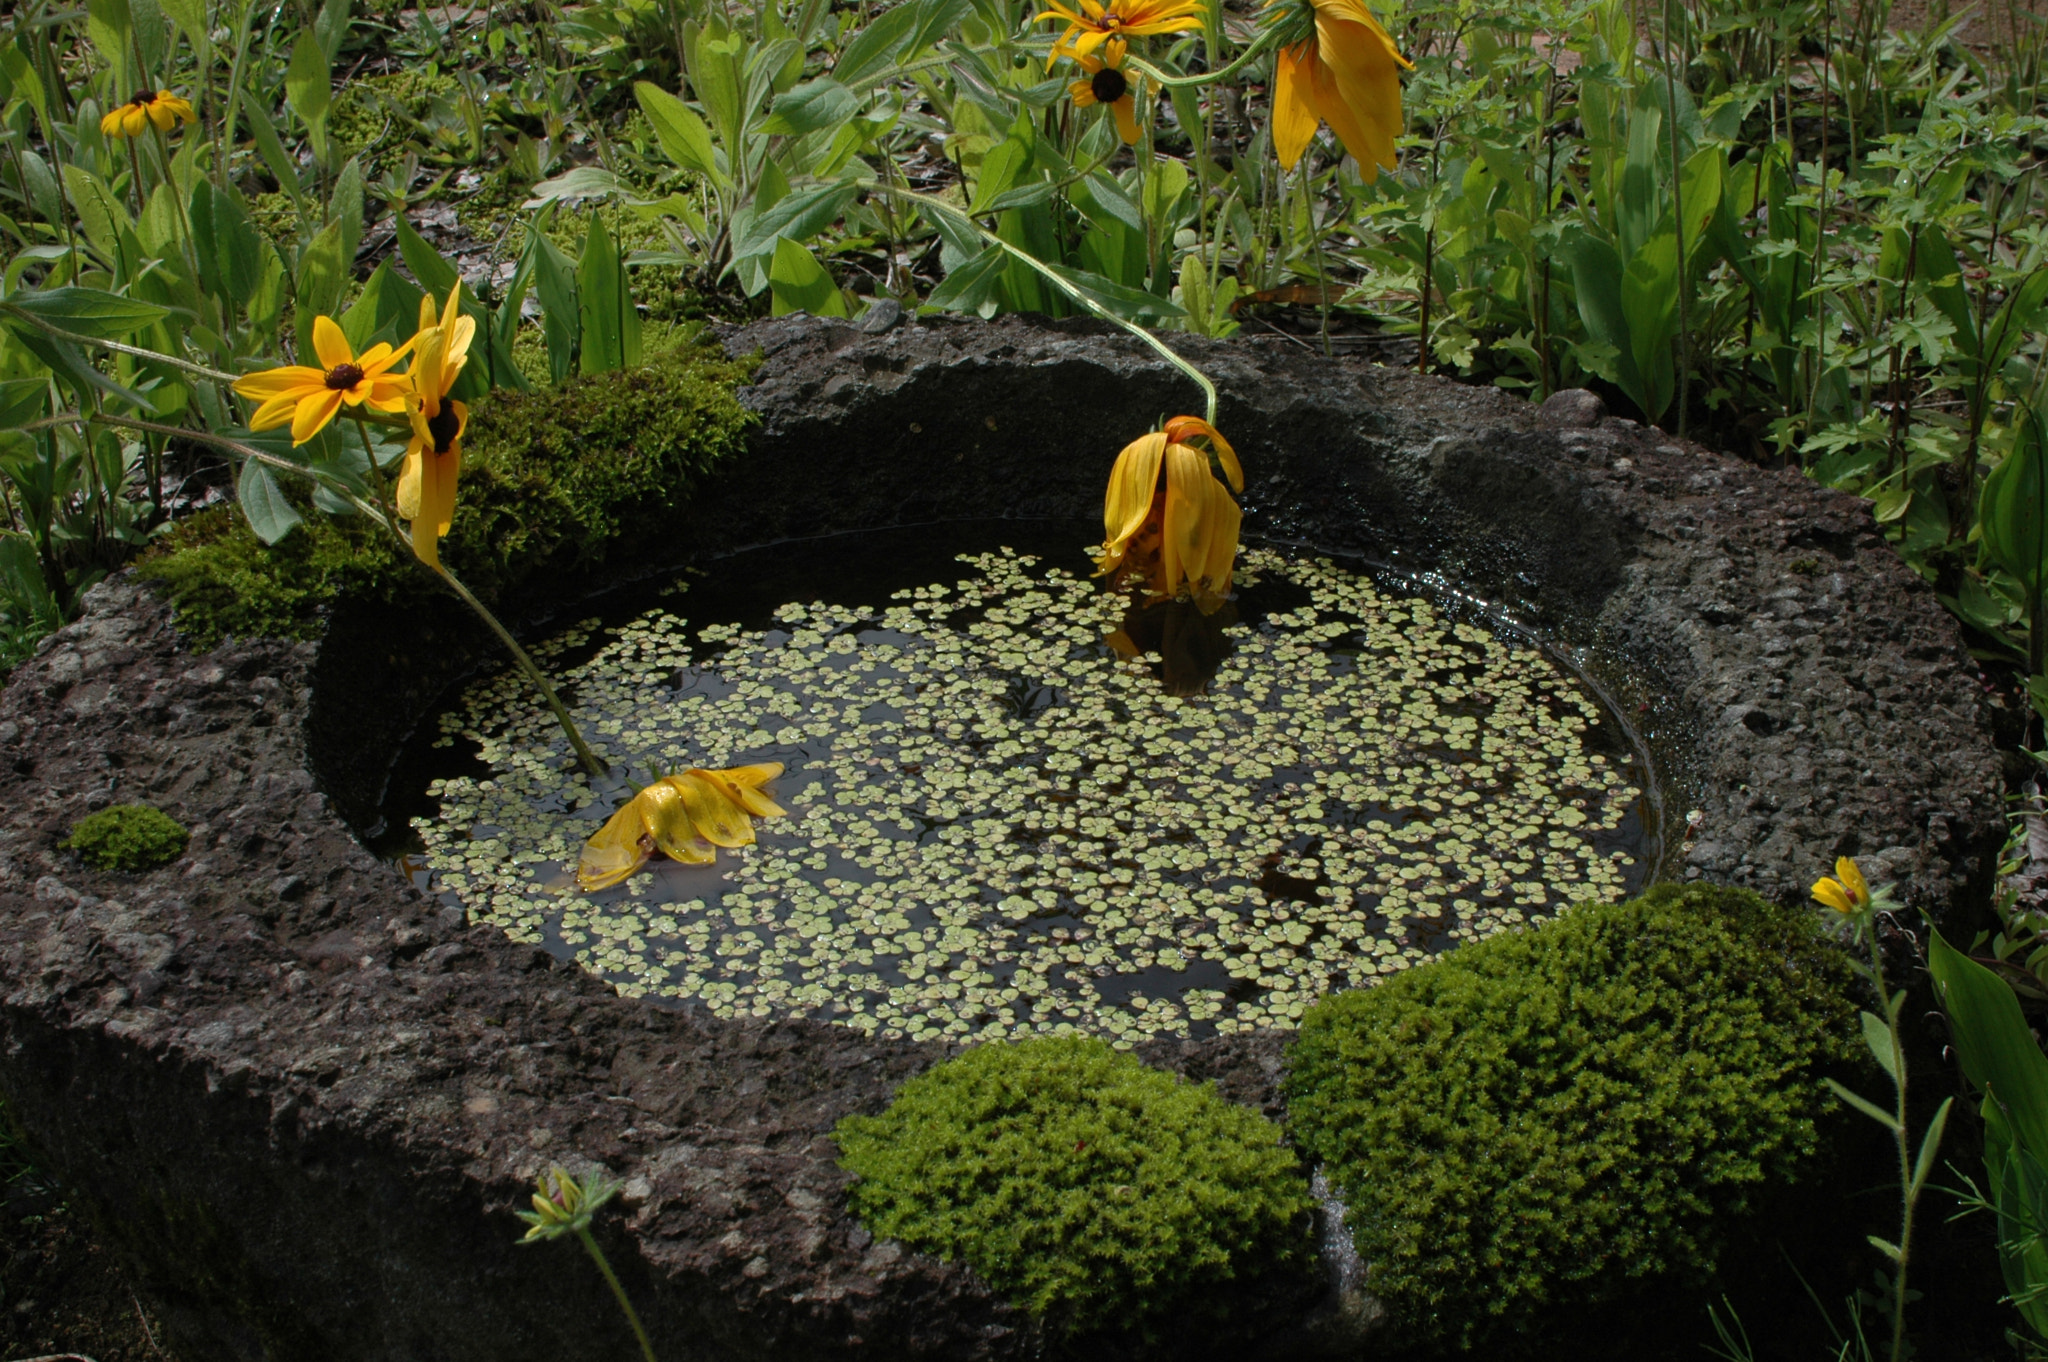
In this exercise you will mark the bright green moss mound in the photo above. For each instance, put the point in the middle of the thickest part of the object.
(1093, 1191)
(1546, 1118)
(127, 837)
(550, 479)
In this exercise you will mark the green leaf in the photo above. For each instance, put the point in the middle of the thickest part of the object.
(111, 27)
(282, 167)
(1940, 277)
(798, 283)
(271, 516)
(1118, 299)
(1864, 1105)
(88, 312)
(2012, 511)
(190, 17)
(71, 366)
(875, 46)
(321, 284)
(611, 326)
(970, 287)
(1000, 169)
(577, 184)
(1998, 1053)
(23, 400)
(331, 28)
(233, 256)
(1930, 1144)
(798, 217)
(346, 207)
(554, 284)
(822, 103)
(428, 265)
(388, 309)
(1884, 1246)
(1878, 1037)
(684, 137)
(309, 85)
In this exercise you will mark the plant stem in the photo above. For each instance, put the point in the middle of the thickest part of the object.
(1264, 43)
(1909, 1194)
(58, 333)
(632, 1315)
(533, 672)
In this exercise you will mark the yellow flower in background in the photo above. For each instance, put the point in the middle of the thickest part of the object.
(1847, 892)
(1167, 520)
(1347, 75)
(162, 108)
(309, 398)
(686, 817)
(1106, 85)
(1094, 23)
(433, 459)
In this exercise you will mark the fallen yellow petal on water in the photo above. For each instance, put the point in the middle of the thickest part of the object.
(685, 817)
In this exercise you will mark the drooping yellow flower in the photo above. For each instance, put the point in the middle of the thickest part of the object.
(309, 398)
(1106, 85)
(162, 108)
(1346, 75)
(433, 459)
(1167, 520)
(1847, 892)
(686, 817)
(1095, 23)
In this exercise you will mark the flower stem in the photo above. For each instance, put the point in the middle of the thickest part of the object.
(1909, 1194)
(533, 672)
(1261, 45)
(632, 1315)
(1060, 282)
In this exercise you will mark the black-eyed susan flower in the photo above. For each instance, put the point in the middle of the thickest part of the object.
(1846, 891)
(1106, 85)
(1095, 23)
(1343, 69)
(433, 458)
(686, 817)
(161, 108)
(1167, 520)
(309, 397)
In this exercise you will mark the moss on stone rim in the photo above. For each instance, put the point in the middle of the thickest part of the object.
(131, 837)
(549, 480)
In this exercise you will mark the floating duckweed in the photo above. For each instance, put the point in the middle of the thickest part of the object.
(999, 827)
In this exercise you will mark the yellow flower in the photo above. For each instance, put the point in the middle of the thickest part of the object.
(1106, 84)
(309, 398)
(1166, 518)
(1095, 23)
(433, 459)
(1347, 76)
(1847, 892)
(564, 1203)
(162, 108)
(686, 817)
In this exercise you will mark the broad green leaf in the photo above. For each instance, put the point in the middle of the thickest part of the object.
(611, 326)
(271, 516)
(1940, 277)
(1649, 299)
(1596, 278)
(345, 208)
(1864, 1105)
(1023, 196)
(270, 146)
(428, 265)
(935, 19)
(88, 312)
(100, 211)
(190, 17)
(309, 85)
(684, 138)
(875, 46)
(111, 26)
(577, 184)
(970, 287)
(1878, 1038)
(23, 400)
(800, 216)
(233, 256)
(798, 283)
(1118, 299)
(554, 284)
(1998, 1053)
(822, 103)
(715, 76)
(1000, 168)
(22, 73)
(388, 309)
(2012, 511)
(331, 28)
(1930, 1144)
(322, 283)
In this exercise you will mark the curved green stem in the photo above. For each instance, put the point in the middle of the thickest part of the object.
(1261, 45)
(59, 333)
(632, 1315)
(1060, 282)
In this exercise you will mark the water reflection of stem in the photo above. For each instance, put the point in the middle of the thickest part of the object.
(382, 516)
(1058, 281)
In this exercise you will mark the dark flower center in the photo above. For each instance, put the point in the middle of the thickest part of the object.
(444, 425)
(1108, 85)
(342, 377)
(145, 98)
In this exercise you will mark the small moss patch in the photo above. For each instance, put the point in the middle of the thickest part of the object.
(127, 837)
(1093, 1191)
(549, 481)
(1548, 1118)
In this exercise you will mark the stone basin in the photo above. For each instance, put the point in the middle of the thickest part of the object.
(302, 1099)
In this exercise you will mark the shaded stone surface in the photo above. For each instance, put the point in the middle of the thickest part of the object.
(303, 1099)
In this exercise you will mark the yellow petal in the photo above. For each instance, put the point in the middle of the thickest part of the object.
(110, 124)
(1833, 895)
(1126, 110)
(719, 820)
(313, 414)
(666, 817)
(755, 776)
(750, 799)
(295, 379)
(330, 344)
(1128, 502)
(1182, 430)
(1852, 879)
(615, 852)
(410, 477)
(276, 411)
(1294, 120)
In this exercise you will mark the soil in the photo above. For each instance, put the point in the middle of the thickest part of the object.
(305, 1100)
(61, 1292)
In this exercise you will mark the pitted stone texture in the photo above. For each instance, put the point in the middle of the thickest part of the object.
(303, 1101)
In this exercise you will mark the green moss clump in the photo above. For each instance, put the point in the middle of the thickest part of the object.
(550, 479)
(1097, 1193)
(127, 837)
(1547, 1118)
